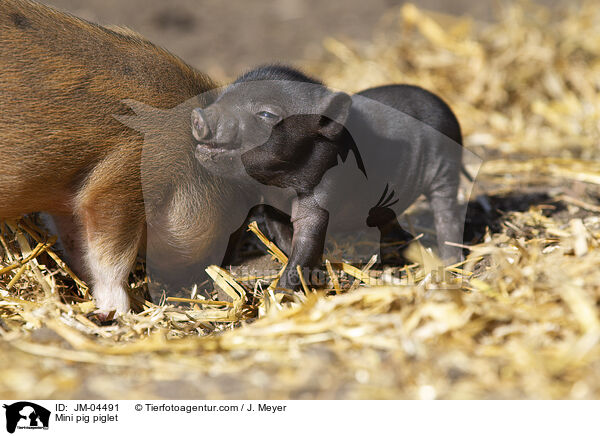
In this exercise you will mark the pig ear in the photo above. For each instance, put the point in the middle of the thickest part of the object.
(335, 114)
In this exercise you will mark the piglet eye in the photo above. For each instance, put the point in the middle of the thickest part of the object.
(268, 115)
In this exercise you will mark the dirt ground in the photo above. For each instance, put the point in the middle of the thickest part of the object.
(224, 38)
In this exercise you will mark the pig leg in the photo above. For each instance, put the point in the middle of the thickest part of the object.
(392, 243)
(113, 216)
(279, 228)
(112, 247)
(71, 242)
(275, 225)
(310, 228)
(448, 223)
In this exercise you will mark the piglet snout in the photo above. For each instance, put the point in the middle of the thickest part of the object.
(200, 128)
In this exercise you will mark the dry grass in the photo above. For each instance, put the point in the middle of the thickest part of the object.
(518, 320)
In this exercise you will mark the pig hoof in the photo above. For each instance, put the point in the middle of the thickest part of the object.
(314, 277)
(111, 299)
(102, 318)
(290, 280)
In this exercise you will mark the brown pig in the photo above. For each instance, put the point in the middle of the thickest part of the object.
(63, 150)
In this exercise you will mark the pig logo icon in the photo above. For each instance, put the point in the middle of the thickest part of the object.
(26, 415)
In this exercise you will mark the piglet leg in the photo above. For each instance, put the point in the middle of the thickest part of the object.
(310, 229)
(448, 224)
(279, 228)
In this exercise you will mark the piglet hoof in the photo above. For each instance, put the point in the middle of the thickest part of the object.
(313, 278)
(102, 318)
(290, 280)
(111, 299)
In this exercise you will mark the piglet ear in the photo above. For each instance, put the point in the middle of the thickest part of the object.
(335, 113)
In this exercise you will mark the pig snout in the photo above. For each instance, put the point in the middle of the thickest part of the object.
(200, 128)
(215, 128)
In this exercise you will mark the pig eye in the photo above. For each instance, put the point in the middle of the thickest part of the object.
(269, 116)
